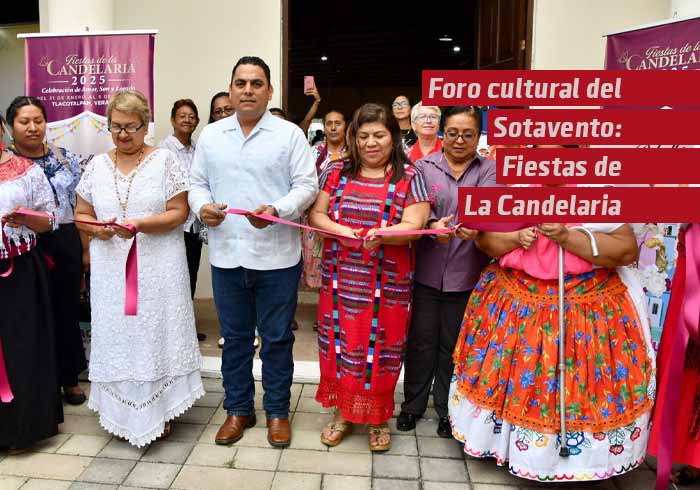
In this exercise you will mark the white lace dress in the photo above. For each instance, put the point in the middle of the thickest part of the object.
(144, 369)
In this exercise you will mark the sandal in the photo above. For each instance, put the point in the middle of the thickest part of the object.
(375, 434)
(344, 428)
(167, 430)
(686, 476)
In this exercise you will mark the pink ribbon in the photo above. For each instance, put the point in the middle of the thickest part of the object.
(687, 326)
(359, 241)
(6, 395)
(132, 267)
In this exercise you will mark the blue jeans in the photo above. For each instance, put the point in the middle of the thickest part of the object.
(245, 298)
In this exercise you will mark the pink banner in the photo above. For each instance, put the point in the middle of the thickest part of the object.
(673, 46)
(75, 74)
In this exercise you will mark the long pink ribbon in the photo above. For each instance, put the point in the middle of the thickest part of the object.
(687, 326)
(132, 267)
(6, 395)
(359, 241)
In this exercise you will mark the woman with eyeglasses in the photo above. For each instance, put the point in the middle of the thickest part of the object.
(145, 368)
(426, 122)
(184, 118)
(26, 117)
(447, 268)
(220, 107)
(401, 108)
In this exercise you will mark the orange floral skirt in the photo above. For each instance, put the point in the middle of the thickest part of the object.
(508, 350)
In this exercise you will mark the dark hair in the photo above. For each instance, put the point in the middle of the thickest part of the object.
(277, 110)
(318, 136)
(23, 101)
(252, 60)
(370, 113)
(184, 103)
(337, 112)
(470, 110)
(402, 95)
(211, 104)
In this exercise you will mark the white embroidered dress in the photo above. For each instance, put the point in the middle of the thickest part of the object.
(144, 369)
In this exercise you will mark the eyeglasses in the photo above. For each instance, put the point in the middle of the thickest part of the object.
(426, 117)
(451, 135)
(397, 105)
(117, 129)
(223, 110)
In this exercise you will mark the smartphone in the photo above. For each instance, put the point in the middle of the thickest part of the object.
(309, 83)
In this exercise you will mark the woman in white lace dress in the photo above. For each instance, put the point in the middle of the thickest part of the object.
(144, 369)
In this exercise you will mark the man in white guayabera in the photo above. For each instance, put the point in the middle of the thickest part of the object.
(262, 163)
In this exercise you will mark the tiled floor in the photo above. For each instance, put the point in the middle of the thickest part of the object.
(84, 457)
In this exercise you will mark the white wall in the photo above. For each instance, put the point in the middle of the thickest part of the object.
(568, 34)
(685, 8)
(199, 42)
(12, 62)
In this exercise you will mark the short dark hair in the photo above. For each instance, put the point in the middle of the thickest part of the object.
(470, 110)
(211, 104)
(277, 110)
(252, 60)
(23, 101)
(370, 113)
(184, 103)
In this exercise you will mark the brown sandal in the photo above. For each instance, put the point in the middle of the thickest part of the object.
(167, 430)
(344, 428)
(375, 433)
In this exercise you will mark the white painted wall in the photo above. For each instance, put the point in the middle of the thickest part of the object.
(79, 15)
(12, 62)
(568, 34)
(685, 8)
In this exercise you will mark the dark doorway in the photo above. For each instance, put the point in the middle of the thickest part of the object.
(362, 51)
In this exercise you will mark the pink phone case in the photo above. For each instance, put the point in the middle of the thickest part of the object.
(309, 82)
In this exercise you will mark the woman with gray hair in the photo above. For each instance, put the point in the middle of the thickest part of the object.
(426, 122)
(145, 368)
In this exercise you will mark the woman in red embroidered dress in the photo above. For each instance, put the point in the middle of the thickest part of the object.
(365, 298)
(26, 323)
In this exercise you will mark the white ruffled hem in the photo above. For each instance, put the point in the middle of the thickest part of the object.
(126, 413)
(535, 456)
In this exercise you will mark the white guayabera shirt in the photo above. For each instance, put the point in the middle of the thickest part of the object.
(272, 166)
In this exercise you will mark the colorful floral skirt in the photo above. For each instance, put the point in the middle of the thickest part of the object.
(504, 397)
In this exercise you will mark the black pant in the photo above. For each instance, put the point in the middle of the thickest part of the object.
(193, 248)
(64, 248)
(435, 323)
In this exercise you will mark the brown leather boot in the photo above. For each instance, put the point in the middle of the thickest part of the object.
(232, 429)
(279, 432)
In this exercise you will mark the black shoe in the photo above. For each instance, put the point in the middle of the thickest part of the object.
(74, 398)
(406, 421)
(201, 336)
(444, 428)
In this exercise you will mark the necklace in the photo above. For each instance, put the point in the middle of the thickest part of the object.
(123, 204)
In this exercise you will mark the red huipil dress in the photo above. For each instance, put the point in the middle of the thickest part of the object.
(364, 303)
(686, 446)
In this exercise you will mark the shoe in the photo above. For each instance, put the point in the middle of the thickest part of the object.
(201, 337)
(73, 397)
(233, 428)
(221, 342)
(376, 433)
(406, 421)
(444, 428)
(256, 342)
(279, 432)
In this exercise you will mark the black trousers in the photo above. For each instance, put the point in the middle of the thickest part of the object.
(193, 249)
(432, 335)
(64, 248)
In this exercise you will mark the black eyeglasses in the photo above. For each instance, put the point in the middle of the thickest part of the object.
(223, 110)
(117, 129)
(451, 135)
